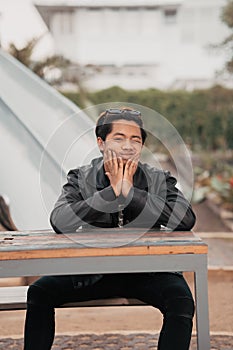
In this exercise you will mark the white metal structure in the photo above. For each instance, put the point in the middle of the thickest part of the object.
(42, 136)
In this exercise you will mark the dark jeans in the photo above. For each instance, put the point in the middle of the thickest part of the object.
(168, 292)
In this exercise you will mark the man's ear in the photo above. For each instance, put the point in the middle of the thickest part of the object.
(100, 143)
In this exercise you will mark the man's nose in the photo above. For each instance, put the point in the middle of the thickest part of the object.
(127, 144)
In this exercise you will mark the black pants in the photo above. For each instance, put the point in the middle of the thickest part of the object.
(168, 292)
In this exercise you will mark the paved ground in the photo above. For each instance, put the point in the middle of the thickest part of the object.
(207, 220)
(220, 248)
(135, 341)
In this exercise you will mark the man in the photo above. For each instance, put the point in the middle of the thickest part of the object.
(117, 190)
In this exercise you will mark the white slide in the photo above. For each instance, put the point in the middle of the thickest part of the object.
(42, 136)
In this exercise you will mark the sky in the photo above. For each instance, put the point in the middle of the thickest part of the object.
(20, 22)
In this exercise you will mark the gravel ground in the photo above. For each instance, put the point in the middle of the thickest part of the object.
(136, 341)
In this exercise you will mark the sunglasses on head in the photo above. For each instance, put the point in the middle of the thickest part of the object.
(122, 111)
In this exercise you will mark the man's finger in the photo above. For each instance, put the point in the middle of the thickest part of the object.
(131, 166)
(106, 160)
(110, 158)
(134, 161)
(114, 162)
(127, 165)
(120, 163)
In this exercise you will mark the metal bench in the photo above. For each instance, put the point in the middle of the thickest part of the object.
(14, 298)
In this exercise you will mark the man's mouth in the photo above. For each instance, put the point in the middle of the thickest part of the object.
(127, 155)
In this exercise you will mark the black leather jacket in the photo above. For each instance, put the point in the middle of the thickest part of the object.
(87, 199)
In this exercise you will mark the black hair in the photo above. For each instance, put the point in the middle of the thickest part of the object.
(105, 120)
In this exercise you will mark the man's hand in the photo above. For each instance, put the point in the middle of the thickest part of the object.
(129, 171)
(114, 170)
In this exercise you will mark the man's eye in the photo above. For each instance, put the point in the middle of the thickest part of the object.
(137, 141)
(118, 139)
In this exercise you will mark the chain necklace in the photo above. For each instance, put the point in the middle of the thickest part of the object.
(120, 215)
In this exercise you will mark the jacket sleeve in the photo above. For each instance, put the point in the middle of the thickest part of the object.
(163, 204)
(72, 211)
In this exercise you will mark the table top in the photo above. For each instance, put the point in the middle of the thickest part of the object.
(97, 242)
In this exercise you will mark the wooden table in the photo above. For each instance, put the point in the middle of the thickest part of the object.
(36, 253)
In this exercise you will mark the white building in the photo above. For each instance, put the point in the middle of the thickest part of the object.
(140, 43)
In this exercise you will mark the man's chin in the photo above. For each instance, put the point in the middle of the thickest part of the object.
(127, 157)
(125, 160)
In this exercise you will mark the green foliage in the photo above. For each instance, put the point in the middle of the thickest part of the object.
(204, 118)
(114, 93)
(214, 178)
(227, 44)
(229, 130)
(74, 97)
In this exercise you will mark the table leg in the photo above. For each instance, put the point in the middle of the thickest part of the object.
(202, 309)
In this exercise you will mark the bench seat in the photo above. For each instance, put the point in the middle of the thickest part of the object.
(14, 298)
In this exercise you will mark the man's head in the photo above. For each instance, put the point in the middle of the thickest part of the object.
(106, 119)
(121, 130)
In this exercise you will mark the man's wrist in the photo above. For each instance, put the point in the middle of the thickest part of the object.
(126, 187)
(117, 189)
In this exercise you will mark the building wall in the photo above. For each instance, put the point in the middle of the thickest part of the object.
(173, 39)
(109, 36)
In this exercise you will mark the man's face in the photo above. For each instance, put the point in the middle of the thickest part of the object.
(125, 140)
